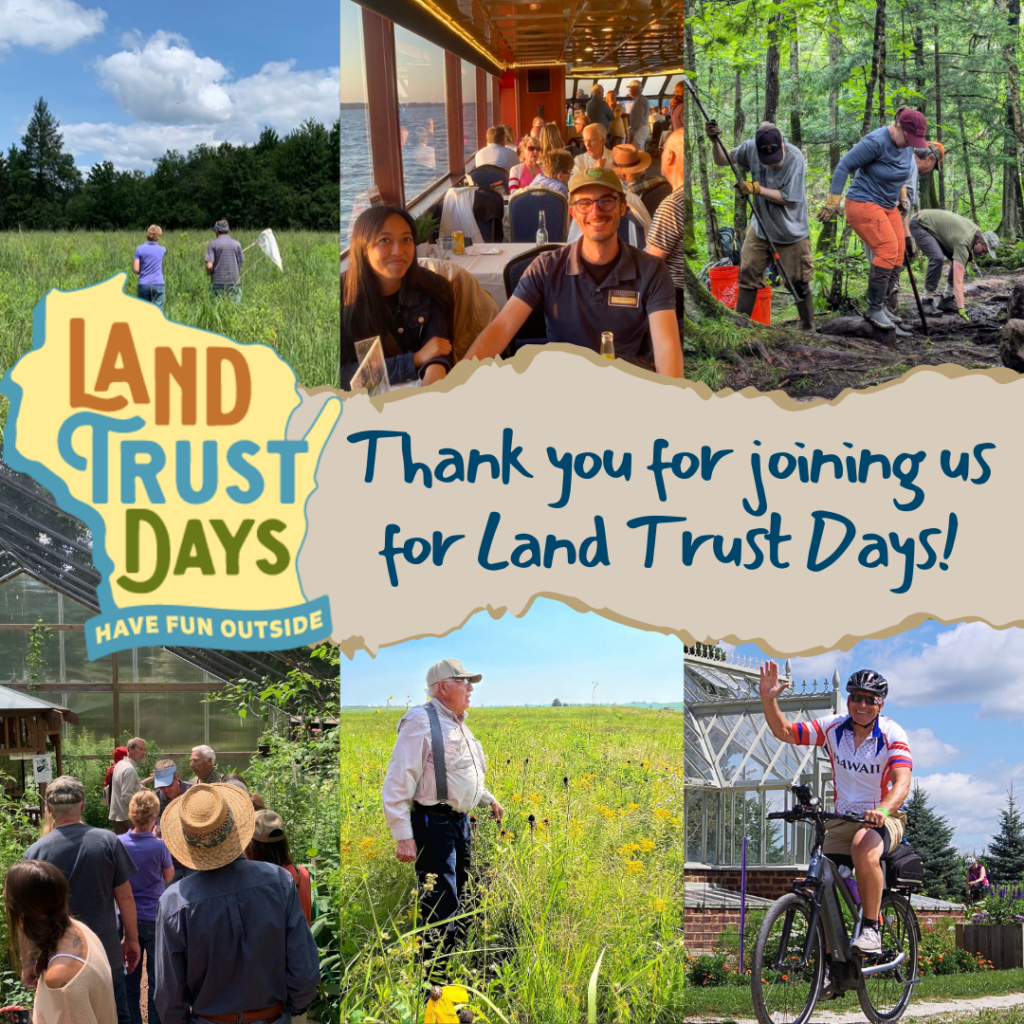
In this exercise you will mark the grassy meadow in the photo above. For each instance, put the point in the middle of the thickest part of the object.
(598, 870)
(298, 311)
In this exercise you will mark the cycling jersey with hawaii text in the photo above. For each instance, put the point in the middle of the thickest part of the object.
(861, 775)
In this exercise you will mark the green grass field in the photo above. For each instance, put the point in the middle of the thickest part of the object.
(298, 311)
(732, 1002)
(602, 870)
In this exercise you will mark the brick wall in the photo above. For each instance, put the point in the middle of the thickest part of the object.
(769, 884)
(702, 927)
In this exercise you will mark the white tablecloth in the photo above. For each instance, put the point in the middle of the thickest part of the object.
(489, 270)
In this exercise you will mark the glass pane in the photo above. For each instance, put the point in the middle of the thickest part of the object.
(77, 668)
(491, 116)
(469, 146)
(420, 67)
(155, 665)
(229, 732)
(174, 721)
(25, 599)
(609, 84)
(14, 652)
(95, 715)
(74, 612)
(356, 165)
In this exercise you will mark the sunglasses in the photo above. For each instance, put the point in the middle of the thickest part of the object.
(863, 698)
(533, 149)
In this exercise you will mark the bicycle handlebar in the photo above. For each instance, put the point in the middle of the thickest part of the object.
(806, 813)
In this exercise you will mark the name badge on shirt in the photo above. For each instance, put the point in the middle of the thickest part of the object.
(621, 297)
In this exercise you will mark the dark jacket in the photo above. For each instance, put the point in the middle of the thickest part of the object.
(599, 112)
(418, 320)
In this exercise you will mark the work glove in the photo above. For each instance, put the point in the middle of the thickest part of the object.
(962, 313)
(748, 188)
(903, 202)
(712, 131)
(830, 209)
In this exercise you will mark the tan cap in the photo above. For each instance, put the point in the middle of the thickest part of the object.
(596, 176)
(636, 82)
(450, 668)
(269, 827)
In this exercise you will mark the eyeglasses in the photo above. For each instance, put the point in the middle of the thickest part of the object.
(605, 204)
(863, 698)
(533, 149)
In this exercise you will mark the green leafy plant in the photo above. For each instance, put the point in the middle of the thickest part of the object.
(427, 226)
(35, 660)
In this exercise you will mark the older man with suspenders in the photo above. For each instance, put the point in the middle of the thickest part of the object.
(434, 780)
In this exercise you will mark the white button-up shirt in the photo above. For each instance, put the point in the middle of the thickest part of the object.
(410, 774)
(124, 784)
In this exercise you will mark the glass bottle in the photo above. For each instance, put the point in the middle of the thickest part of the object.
(542, 228)
(608, 345)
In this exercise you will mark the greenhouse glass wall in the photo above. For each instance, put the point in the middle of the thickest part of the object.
(737, 772)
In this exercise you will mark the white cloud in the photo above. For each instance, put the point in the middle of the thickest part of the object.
(181, 99)
(929, 751)
(51, 25)
(971, 663)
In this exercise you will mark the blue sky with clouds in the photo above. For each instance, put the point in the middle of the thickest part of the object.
(128, 81)
(551, 652)
(959, 692)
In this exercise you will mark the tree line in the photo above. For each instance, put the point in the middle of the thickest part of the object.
(279, 182)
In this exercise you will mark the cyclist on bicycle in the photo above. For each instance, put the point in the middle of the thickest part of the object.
(977, 880)
(871, 768)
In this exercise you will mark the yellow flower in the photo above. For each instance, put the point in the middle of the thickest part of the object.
(661, 814)
(674, 820)
(534, 798)
(646, 845)
(634, 807)
(629, 849)
(634, 867)
(659, 906)
(606, 812)
(516, 797)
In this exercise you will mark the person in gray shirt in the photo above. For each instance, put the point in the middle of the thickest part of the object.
(778, 172)
(224, 259)
(638, 129)
(232, 942)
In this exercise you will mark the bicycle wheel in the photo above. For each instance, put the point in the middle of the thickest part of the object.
(885, 997)
(783, 992)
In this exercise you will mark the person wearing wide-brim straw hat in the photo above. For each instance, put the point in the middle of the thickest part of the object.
(232, 943)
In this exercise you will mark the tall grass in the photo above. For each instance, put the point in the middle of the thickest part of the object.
(576, 915)
(297, 311)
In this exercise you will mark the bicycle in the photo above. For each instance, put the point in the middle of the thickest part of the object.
(804, 933)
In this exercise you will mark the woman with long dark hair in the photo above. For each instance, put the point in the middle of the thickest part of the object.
(60, 957)
(386, 293)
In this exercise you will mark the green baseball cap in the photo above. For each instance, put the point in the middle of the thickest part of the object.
(597, 176)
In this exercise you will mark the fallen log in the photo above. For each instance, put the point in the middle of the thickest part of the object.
(1011, 347)
(860, 327)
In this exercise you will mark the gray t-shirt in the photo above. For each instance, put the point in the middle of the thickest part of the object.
(226, 256)
(94, 863)
(786, 224)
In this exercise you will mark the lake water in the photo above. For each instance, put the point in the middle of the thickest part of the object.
(424, 155)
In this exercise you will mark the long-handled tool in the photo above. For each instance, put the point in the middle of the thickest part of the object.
(917, 297)
(777, 260)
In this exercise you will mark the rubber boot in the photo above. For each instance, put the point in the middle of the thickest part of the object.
(805, 309)
(929, 306)
(947, 304)
(878, 290)
(892, 303)
(745, 301)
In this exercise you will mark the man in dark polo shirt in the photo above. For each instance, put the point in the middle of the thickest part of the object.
(596, 284)
(224, 261)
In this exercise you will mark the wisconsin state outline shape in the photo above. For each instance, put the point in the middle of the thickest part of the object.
(125, 415)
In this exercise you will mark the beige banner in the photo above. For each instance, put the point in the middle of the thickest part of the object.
(743, 517)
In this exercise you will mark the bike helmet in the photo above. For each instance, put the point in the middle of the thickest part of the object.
(970, 861)
(869, 681)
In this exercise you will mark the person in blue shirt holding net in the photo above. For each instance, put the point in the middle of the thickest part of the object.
(149, 265)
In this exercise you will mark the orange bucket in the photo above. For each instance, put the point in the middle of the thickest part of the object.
(725, 286)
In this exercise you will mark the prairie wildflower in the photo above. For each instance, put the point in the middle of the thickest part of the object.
(635, 867)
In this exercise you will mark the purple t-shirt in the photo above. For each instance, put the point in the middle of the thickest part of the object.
(151, 263)
(151, 856)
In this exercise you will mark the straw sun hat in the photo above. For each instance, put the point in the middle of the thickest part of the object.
(208, 826)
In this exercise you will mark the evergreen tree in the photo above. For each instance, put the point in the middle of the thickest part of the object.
(931, 836)
(52, 173)
(1005, 860)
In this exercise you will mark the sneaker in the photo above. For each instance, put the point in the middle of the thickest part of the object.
(948, 304)
(869, 942)
(929, 307)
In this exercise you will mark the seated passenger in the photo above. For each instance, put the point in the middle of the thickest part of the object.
(630, 164)
(557, 169)
(575, 147)
(386, 292)
(523, 174)
(594, 285)
(594, 136)
(496, 152)
(550, 138)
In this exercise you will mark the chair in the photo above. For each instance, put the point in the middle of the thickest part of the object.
(489, 176)
(632, 231)
(524, 208)
(475, 307)
(458, 214)
(654, 193)
(489, 212)
(534, 331)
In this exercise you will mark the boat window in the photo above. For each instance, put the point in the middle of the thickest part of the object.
(421, 114)
(469, 146)
(356, 165)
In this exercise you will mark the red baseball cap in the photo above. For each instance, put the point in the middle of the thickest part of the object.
(914, 126)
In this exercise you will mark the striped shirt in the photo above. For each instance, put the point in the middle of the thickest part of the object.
(862, 775)
(666, 234)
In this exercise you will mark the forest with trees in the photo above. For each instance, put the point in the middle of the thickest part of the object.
(827, 75)
(288, 182)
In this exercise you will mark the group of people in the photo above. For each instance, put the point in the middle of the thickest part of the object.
(880, 207)
(195, 875)
(224, 259)
(593, 285)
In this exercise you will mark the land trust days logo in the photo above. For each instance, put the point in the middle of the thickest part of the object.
(170, 443)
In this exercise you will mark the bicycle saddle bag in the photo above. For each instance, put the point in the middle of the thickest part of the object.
(904, 866)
